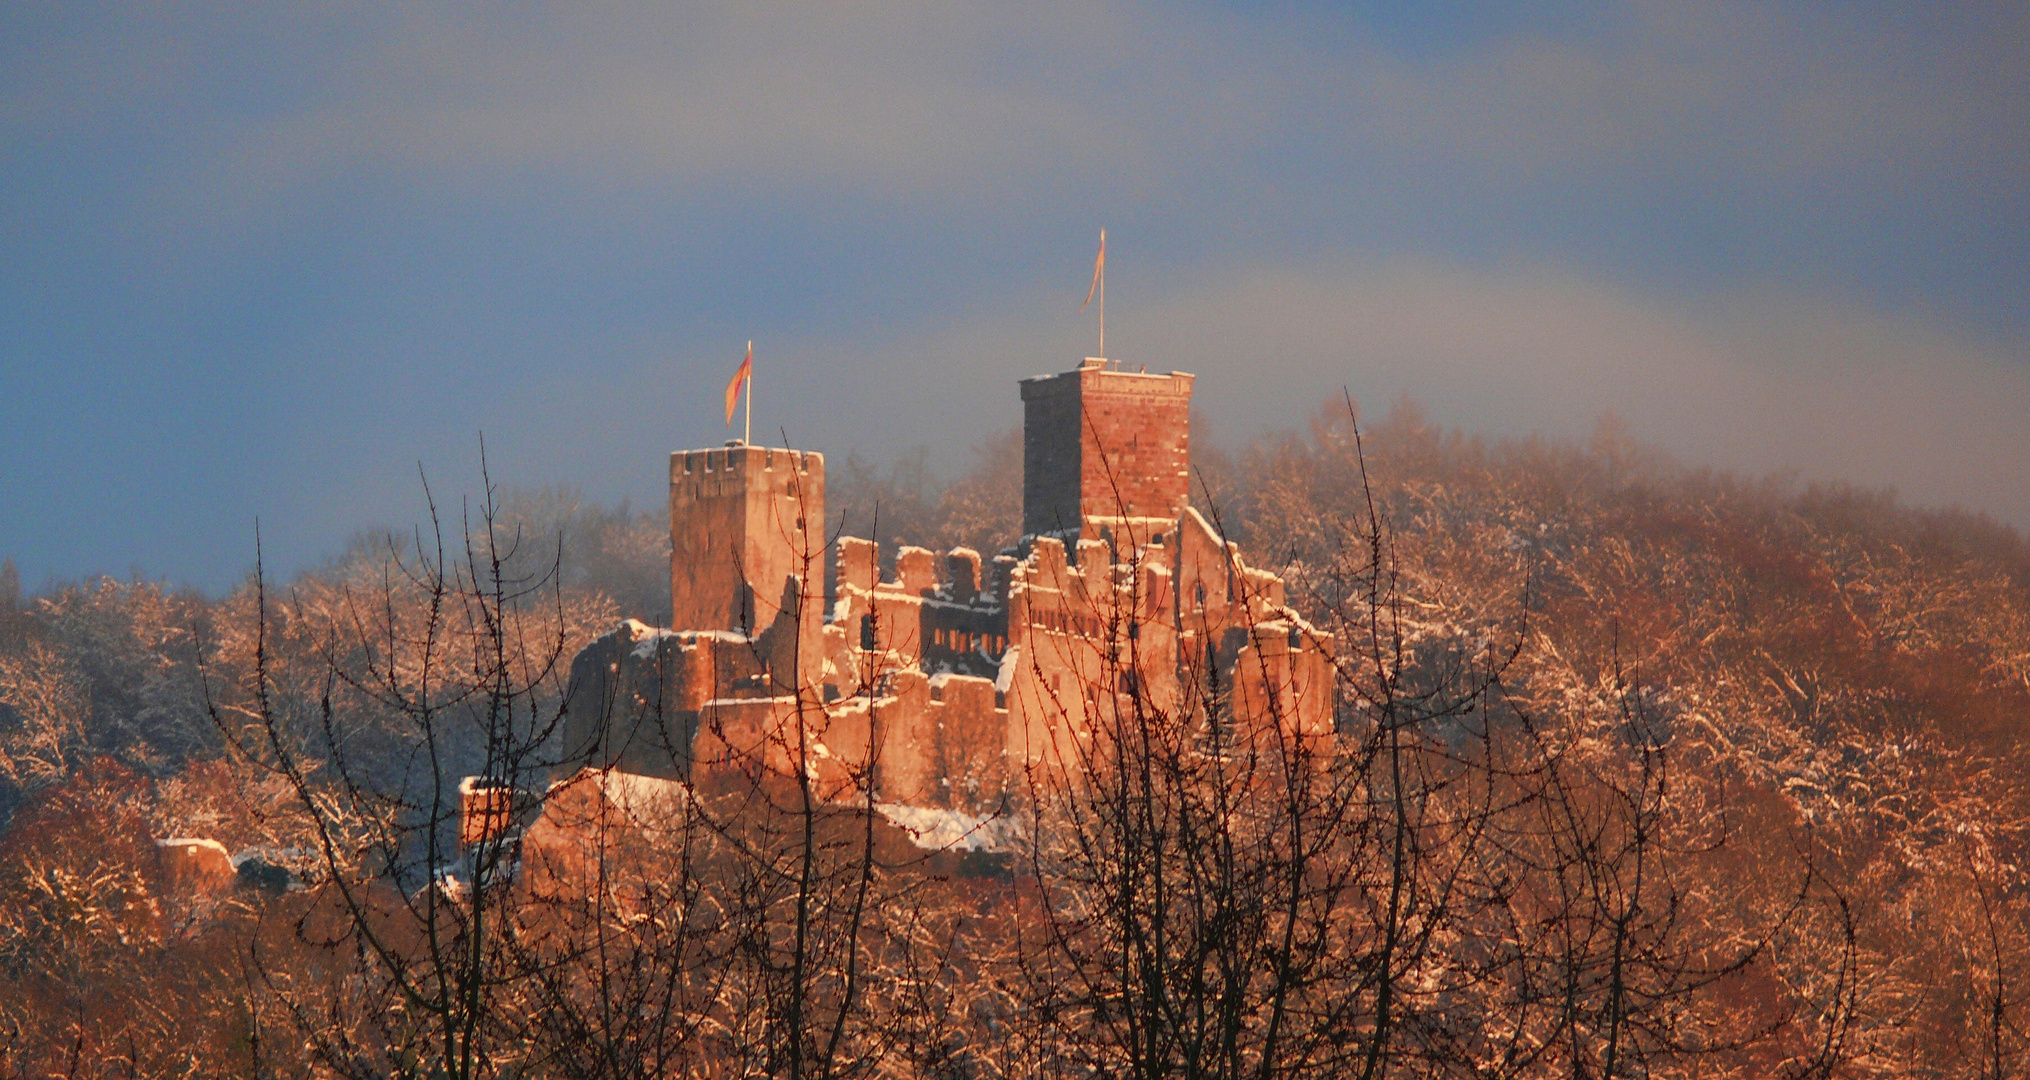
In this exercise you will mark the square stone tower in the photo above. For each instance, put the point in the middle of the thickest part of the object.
(743, 521)
(1105, 448)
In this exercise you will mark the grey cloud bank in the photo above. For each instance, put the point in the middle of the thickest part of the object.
(1751, 381)
(264, 262)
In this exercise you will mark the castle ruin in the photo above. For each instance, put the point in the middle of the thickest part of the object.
(945, 683)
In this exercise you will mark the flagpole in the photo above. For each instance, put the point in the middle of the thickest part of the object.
(1100, 285)
(747, 436)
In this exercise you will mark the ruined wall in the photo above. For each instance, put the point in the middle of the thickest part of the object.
(908, 675)
(1055, 636)
(640, 699)
(1093, 642)
(1282, 680)
(964, 628)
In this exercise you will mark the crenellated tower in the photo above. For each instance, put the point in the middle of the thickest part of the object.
(744, 520)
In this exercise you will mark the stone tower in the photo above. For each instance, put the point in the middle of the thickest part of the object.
(1102, 449)
(743, 521)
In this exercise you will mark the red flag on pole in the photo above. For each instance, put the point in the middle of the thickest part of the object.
(1099, 270)
(739, 379)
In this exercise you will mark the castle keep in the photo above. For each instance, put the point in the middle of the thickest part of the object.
(1105, 449)
(943, 684)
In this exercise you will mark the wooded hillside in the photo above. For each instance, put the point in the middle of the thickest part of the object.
(1643, 770)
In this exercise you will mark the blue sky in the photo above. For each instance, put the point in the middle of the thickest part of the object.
(265, 261)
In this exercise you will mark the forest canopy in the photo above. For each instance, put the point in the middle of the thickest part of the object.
(1773, 732)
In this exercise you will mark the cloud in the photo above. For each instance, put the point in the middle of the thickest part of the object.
(1769, 236)
(885, 98)
(1751, 379)
(1747, 379)
(951, 99)
(1722, 93)
(904, 97)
